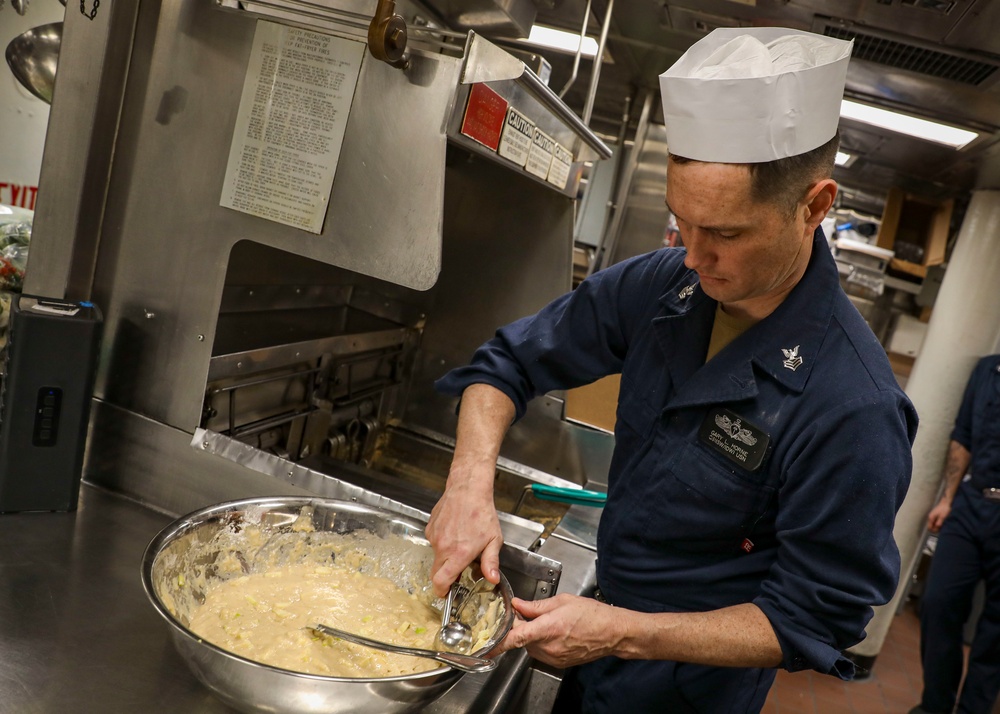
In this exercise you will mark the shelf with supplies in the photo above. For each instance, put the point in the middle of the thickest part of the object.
(916, 229)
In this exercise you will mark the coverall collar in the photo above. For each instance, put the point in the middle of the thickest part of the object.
(785, 345)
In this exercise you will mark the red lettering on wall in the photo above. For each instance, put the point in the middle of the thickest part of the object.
(15, 194)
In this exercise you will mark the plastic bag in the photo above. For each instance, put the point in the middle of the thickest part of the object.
(15, 236)
(13, 260)
(5, 302)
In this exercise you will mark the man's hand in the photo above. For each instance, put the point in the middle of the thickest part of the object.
(565, 630)
(464, 525)
(935, 519)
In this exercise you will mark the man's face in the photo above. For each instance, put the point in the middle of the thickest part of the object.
(748, 255)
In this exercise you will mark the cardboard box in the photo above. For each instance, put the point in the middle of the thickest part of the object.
(594, 404)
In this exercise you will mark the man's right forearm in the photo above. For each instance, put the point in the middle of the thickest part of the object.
(464, 525)
(483, 419)
(955, 467)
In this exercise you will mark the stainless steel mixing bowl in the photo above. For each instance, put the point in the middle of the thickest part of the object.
(185, 553)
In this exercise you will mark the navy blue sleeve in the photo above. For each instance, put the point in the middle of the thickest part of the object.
(574, 340)
(962, 433)
(836, 555)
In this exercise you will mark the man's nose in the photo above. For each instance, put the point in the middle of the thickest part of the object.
(698, 255)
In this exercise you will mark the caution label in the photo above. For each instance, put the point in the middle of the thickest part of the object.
(562, 161)
(515, 141)
(540, 154)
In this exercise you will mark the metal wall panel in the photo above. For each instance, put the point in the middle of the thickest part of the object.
(166, 241)
(495, 271)
(645, 212)
(83, 122)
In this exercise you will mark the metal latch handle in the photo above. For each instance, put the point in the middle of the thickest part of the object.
(387, 35)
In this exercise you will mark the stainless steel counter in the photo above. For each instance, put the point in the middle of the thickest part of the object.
(78, 635)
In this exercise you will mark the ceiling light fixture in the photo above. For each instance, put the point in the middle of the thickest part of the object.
(842, 158)
(906, 124)
(550, 37)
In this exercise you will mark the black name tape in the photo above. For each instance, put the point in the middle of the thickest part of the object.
(735, 438)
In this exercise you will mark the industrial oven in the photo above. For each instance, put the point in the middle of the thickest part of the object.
(291, 239)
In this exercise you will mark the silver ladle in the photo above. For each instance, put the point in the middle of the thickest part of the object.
(463, 662)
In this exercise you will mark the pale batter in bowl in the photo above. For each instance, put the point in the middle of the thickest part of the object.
(266, 617)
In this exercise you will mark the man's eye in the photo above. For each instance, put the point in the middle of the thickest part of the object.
(728, 235)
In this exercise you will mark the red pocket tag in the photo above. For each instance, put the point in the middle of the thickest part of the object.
(747, 545)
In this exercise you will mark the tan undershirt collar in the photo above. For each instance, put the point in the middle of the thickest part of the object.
(725, 329)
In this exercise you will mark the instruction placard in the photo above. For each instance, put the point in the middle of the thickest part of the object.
(297, 96)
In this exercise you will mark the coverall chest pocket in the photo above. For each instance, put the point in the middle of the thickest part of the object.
(703, 504)
(634, 425)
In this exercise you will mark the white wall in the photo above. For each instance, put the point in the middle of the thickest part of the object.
(23, 117)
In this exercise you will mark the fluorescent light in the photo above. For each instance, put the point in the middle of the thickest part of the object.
(542, 36)
(905, 124)
(842, 158)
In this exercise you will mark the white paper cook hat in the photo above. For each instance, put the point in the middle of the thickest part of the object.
(747, 95)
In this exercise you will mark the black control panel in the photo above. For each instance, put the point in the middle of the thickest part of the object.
(48, 383)
(47, 416)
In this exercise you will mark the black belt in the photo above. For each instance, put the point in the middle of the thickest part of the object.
(992, 494)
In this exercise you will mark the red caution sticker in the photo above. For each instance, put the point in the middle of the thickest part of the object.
(484, 116)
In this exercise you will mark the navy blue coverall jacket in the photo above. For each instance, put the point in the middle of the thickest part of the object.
(976, 423)
(770, 474)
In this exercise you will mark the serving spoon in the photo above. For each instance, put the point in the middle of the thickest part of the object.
(463, 662)
(454, 635)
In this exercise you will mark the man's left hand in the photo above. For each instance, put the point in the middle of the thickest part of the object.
(565, 630)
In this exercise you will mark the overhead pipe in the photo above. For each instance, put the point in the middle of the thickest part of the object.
(588, 108)
(605, 250)
(579, 52)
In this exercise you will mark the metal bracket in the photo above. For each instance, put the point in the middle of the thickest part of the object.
(387, 35)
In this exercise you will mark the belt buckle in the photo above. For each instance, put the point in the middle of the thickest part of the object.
(992, 494)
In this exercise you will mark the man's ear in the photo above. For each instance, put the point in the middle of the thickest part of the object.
(818, 202)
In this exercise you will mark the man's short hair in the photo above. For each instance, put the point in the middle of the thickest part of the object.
(783, 182)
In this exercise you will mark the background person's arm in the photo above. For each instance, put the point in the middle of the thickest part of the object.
(956, 465)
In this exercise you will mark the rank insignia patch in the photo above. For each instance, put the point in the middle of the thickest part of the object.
(792, 359)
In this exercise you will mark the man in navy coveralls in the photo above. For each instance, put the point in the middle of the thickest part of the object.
(968, 550)
(762, 442)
